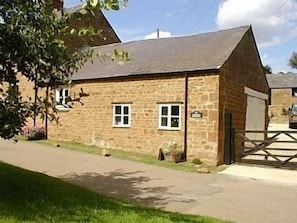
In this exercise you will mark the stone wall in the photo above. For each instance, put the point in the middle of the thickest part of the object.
(91, 122)
(26, 88)
(203, 132)
(281, 100)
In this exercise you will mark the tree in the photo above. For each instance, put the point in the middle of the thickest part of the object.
(267, 69)
(31, 45)
(293, 60)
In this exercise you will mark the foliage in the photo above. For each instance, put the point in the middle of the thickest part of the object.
(34, 132)
(293, 60)
(197, 161)
(267, 69)
(12, 115)
(103, 4)
(32, 46)
(285, 111)
(33, 197)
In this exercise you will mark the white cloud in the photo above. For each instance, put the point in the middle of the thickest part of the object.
(162, 34)
(273, 21)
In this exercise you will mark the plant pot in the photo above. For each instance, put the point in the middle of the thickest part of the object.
(173, 157)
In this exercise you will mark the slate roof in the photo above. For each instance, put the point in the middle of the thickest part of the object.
(200, 52)
(283, 80)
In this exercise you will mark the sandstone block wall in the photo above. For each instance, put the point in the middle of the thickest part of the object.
(281, 100)
(203, 132)
(91, 122)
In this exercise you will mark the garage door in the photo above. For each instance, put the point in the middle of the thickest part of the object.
(255, 113)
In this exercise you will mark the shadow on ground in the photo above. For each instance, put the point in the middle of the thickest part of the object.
(125, 185)
(27, 196)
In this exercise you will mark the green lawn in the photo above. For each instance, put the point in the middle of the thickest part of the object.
(32, 197)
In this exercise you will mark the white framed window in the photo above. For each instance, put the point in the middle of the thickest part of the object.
(62, 97)
(170, 116)
(121, 115)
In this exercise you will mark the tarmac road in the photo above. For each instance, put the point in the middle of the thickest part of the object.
(235, 198)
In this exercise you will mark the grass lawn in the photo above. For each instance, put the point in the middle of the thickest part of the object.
(33, 197)
(139, 157)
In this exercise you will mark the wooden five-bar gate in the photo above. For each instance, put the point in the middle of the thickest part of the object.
(273, 148)
(277, 148)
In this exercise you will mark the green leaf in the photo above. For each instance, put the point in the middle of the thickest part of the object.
(83, 11)
(7, 126)
(94, 3)
(72, 31)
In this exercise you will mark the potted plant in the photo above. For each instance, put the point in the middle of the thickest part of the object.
(172, 152)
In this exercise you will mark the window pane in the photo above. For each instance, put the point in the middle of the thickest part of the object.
(118, 110)
(175, 122)
(118, 120)
(126, 120)
(66, 93)
(126, 110)
(174, 110)
(164, 122)
(61, 92)
(164, 110)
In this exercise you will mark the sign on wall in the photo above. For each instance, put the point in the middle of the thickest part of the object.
(196, 114)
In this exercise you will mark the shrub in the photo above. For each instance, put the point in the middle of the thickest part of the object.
(34, 133)
(285, 111)
(197, 161)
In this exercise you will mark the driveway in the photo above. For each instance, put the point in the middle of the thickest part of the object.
(239, 199)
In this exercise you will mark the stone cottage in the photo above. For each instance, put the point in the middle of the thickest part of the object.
(173, 90)
(283, 88)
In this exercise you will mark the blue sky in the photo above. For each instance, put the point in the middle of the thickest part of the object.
(274, 22)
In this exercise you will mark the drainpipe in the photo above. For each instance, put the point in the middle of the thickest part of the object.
(186, 117)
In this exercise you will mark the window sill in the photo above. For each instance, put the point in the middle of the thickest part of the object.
(169, 129)
(121, 126)
(62, 108)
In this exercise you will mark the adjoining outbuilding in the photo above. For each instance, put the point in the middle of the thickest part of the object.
(177, 89)
(283, 91)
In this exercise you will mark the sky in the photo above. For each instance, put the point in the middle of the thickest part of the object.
(274, 22)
